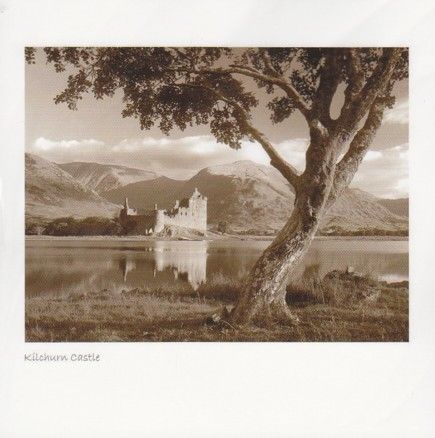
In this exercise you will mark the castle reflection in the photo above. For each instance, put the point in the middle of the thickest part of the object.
(187, 262)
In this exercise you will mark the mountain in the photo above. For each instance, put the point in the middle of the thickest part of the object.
(251, 196)
(357, 210)
(51, 193)
(398, 206)
(103, 177)
(143, 195)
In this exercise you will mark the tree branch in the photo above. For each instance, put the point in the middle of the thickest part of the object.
(255, 74)
(348, 165)
(267, 61)
(289, 172)
(329, 79)
(355, 107)
(245, 67)
(356, 74)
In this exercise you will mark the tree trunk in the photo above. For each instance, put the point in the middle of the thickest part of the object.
(263, 298)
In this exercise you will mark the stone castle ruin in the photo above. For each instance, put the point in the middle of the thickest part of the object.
(188, 213)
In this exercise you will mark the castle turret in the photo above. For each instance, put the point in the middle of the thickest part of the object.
(124, 211)
(198, 211)
(159, 220)
(127, 211)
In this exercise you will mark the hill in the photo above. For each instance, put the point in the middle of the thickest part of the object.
(143, 195)
(253, 197)
(103, 177)
(51, 193)
(398, 206)
(357, 210)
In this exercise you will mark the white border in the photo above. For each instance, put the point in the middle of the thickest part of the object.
(218, 390)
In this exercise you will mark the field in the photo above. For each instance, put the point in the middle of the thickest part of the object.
(340, 307)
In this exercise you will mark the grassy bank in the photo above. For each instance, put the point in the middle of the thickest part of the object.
(340, 307)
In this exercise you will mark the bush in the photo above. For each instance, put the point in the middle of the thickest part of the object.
(90, 226)
(33, 229)
(338, 231)
(220, 287)
(337, 288)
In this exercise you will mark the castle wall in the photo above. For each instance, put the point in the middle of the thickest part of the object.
(190, 213)
(194, 215)
(159, 221)
(138, 224)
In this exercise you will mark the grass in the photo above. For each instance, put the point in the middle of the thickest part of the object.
(339, 307)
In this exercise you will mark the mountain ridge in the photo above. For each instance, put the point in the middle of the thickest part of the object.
(248, 196)
(103, 177)
(51, 193)
(251, 196)
(398, 206)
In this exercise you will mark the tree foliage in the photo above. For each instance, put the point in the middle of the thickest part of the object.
(180, 87)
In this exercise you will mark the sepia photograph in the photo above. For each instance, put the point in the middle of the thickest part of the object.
(216, 194)
(217, 219)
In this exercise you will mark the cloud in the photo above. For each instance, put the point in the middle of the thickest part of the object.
(190, 154)
(384, 173)
(373, 155)
(398, 114)
(44, 144)
(294, 151)
(177, 158)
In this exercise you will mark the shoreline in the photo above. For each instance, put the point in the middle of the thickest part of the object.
(212, 237)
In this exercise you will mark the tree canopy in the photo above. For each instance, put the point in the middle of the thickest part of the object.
(181, 87)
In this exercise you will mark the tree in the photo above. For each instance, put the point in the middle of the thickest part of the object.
(178, 87)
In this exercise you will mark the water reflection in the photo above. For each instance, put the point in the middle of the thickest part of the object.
(64, 267)
(187, 262)
(384, 260)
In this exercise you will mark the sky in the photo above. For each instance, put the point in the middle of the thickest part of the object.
(96, 132)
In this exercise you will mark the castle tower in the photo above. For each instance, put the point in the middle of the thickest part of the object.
(124, 211)
(127, 211)
(159, 220)
(198, 208)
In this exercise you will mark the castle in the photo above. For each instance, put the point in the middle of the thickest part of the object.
(187, 213)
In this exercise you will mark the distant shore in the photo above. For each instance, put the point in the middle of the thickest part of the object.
(210, 237)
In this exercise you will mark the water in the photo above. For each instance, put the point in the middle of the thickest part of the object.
(61, 267)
